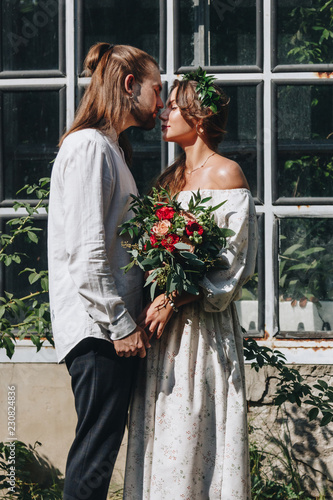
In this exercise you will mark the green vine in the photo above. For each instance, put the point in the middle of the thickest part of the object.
(26, 316)
(291, 386)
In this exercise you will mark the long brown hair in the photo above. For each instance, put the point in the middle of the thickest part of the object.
(105, 101)
(212, 124)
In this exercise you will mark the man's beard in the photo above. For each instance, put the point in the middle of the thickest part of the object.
(144, 119)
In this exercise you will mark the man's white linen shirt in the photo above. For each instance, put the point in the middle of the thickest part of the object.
(90, 296)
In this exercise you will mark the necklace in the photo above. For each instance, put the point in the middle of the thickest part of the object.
(190, 172)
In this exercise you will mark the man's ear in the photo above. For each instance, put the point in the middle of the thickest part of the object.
(129, 84)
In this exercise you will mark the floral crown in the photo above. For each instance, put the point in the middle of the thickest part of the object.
(207, 93)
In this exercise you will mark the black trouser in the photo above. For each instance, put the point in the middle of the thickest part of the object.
(101, 383)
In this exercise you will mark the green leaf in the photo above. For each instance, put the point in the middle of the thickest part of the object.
(327, 418)
(292, 249)
(9, 345)
(2, 310)
(322, 384)
(32, 237)
(313, 413)
(150, 278)
(7, 260)
(280, 399)
(190, 288)
(312, 250)
(303, 266)
(182, 246)
(218, 206)
(227, 232)
(33, 277)
(44, 282)
(152, 290)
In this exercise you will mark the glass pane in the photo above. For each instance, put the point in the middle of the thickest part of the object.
(30, 35)
(305, 274)
(30, 139)
(129, 22)
(240, 142)
(304, 32)
(33, 256)
(250, 304)
(305, 140)
(146, 164)
(217, 33)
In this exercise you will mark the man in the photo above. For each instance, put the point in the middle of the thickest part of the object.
(93, 304)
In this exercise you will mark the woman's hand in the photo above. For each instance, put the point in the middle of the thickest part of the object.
(155, 316)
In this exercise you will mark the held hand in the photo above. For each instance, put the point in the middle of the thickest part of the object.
(156, 315)
(134, 344)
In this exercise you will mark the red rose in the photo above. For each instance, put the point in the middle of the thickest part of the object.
(192, 226)
(153, 240)
(170, 241)
(165, 212)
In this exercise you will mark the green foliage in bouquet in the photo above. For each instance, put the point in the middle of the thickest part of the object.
(176, 246)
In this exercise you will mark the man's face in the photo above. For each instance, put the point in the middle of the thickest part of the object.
(146, 100)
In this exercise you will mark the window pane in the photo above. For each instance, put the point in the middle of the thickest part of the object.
(240, 142)
(129, 22)
(30, 139)
(217, 33)
(146, 164)
(251, 304)
(305, 140)
(33, 256)
(305, 274)
(304, 32)
(30, 35)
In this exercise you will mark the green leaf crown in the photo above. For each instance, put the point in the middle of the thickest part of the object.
(207, 93)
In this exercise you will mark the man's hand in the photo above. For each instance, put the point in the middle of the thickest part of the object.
(134, 344)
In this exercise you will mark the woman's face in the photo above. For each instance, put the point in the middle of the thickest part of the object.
(174, 127)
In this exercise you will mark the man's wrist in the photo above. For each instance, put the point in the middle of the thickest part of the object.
(123, 327)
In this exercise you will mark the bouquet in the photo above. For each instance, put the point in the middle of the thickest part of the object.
(173, 245)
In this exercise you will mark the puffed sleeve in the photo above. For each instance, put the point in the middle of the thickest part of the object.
(87, 189)
(220, 287)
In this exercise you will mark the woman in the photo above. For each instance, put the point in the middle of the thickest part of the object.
(188, 429)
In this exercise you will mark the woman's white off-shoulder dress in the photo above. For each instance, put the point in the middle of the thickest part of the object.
(188, 425)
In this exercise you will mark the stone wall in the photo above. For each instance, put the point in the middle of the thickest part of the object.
(286, 434)
(45, 413)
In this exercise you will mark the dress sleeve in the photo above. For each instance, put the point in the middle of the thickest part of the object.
(88, 186)
(220, 287)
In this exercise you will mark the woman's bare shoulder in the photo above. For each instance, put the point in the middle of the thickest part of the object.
(228, 174)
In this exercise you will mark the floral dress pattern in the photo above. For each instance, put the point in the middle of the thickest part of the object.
(188, 424)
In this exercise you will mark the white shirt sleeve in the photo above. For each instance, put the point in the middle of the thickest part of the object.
(88, 188)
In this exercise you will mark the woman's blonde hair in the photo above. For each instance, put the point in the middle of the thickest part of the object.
(105, 101)
(212, 124)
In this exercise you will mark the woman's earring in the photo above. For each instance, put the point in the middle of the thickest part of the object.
(196, 128)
